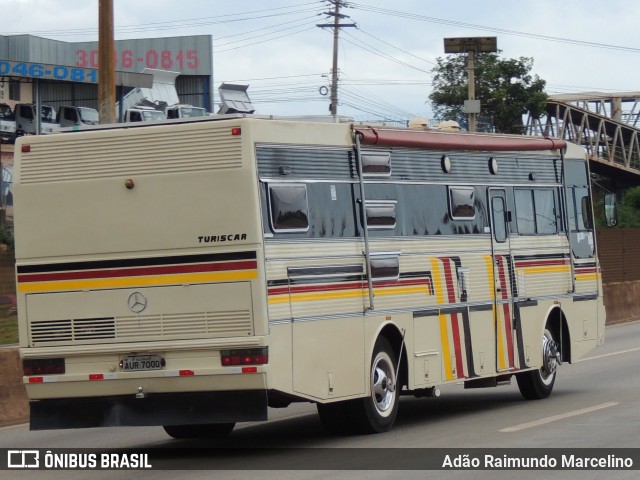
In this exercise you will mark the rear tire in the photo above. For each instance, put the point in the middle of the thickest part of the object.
(377, 412)
(211, 430)
(538, 384)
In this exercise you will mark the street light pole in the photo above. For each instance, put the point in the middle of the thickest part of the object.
(471, 74)
(471, 46)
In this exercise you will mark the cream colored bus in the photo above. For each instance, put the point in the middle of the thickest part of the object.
(191, 274)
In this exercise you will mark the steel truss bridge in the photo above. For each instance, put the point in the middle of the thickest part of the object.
(607, 125)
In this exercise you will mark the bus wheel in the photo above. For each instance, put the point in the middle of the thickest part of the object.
(537, 384)
(377, 412)
(210, 430)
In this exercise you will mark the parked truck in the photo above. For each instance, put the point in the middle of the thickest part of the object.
(7, 124)
(72, 116)
(161, 97)
(26, 120)
(143, 114)
(185, 111)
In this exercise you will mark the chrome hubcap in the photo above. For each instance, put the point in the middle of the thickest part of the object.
(550, 356)
(383, 384)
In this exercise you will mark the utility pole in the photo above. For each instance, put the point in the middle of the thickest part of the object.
(106, 67)
(336, 25)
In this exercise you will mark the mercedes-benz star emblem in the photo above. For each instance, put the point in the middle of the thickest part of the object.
(137, 302)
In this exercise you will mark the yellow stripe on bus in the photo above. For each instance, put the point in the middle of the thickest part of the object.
(587, 276)
(313, 296)
(143, 281)
(538, 270)
(336, 295)
(444, 334)
(308, 297)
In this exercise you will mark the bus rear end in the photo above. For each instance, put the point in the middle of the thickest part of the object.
(141, 295)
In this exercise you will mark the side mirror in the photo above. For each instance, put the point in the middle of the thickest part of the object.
(610, 209)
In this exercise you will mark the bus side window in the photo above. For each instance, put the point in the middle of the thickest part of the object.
(499, 219)
(586, 213)
(536, 211)
(580, 225)
(385, 268)
(380, 214)
(376, 164)
(462, 203)
(289, 208)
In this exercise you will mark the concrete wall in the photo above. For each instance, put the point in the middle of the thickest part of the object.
(622, 301)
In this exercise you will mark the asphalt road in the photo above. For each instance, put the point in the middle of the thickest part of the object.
(595, 404)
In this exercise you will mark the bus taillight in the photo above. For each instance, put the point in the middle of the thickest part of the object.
(253, 356)
(49, 366)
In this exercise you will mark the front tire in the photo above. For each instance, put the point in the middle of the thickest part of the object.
(211, 430)
(538, 384)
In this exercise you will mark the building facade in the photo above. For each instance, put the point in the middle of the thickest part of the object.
(64, 70)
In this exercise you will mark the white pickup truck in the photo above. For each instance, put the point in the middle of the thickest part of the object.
(26, 120)
(7, 124)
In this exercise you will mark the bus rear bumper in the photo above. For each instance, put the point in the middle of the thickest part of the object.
(154, 409)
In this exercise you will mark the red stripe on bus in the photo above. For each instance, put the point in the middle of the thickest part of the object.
(507, 313)
(541, 263)
(346, 286)
(455, 328)
(138, 271)
(587, 270)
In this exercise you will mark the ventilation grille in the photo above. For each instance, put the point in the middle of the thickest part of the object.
(146, 151)
(142, 328)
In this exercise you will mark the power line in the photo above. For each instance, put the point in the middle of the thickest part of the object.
(363, 101)
(216, 50)
(181, 24)
(262, 42)
(250, 32)
(397, 48)
(441, 21)
(358, 43)
(275, 78)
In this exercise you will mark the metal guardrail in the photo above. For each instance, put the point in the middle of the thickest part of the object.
(613, 147)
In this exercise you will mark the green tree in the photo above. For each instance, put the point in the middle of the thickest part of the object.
(629, 209)
(505, 87)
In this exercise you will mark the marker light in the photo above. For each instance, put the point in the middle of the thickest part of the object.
(236, 131)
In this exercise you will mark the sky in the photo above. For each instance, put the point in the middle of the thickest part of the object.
(385, 62)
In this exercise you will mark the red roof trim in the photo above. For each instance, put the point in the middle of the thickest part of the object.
(455, 141)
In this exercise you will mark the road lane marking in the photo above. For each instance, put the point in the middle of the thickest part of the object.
(554, 418)
(609, 354)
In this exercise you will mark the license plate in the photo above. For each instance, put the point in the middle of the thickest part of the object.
(136, 363)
